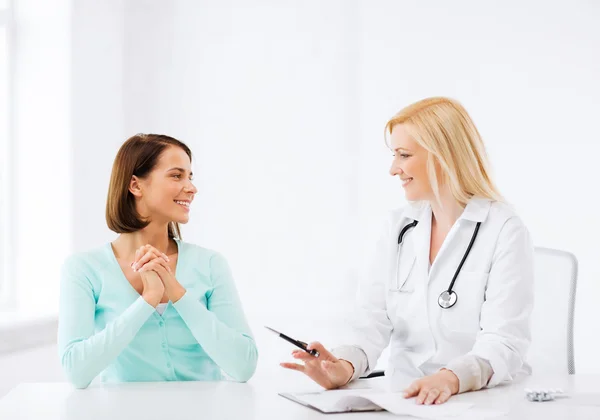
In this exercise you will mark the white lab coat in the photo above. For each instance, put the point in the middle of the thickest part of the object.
(495, 294)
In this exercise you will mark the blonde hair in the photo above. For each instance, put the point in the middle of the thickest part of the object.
(443, 127)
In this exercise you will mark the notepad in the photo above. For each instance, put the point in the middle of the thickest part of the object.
(349, 400)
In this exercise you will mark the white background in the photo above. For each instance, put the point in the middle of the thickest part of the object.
(283, 105)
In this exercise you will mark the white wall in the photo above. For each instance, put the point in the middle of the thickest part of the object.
(265, 97)
(98, 62)
(528, 74)
(283, 106)
(52, 42)
(40, 230)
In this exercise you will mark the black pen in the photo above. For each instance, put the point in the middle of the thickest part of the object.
(296, 343)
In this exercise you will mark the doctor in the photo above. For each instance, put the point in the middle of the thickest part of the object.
(451, 289)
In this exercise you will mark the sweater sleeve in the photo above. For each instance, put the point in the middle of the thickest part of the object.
(221, 327)
(83, 353)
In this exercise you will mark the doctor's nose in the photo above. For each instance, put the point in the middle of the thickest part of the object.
(395, 170)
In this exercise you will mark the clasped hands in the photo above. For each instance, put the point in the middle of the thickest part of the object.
(157, 277)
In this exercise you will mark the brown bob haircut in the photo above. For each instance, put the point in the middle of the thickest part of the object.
(137, 156)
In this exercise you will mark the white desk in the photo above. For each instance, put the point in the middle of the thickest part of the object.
(256, 399)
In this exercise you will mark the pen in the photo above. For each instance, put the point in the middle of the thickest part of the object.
(296, 343)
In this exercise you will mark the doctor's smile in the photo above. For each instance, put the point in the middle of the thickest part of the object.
(450, 289)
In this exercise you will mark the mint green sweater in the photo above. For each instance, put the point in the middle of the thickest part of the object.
(106, 328)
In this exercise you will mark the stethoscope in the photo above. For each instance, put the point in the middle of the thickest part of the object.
(447, 298)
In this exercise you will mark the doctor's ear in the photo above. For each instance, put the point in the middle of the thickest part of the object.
(135, 187)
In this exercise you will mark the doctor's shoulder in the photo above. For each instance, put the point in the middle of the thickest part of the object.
(507, 221)
(502, 212)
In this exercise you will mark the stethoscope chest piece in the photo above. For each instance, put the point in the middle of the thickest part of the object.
(447, 299)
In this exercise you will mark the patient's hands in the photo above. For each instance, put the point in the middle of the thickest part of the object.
(151, 263)
(326, 370)
(145, 254)
(154, 288)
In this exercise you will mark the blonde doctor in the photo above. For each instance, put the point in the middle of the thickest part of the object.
(451, 287)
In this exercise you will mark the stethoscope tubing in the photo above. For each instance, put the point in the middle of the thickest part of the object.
(449, 291)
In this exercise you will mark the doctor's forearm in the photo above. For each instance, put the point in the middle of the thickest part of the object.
(473, 372)
(355, 356)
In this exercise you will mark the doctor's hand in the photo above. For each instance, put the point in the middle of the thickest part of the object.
(326, 370)
(433, 389)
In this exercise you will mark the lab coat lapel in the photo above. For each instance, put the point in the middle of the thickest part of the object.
(421, 242)
(475, 211)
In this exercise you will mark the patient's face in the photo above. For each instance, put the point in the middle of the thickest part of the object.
(168, 191)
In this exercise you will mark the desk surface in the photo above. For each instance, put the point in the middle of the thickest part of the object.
(258, 399)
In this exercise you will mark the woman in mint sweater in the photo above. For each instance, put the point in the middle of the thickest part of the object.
(148, 306)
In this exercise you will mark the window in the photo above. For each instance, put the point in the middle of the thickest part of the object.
(5, 152)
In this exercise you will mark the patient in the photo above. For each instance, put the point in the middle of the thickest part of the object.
(148, 306)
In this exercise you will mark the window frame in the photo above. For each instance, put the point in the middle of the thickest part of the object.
(7, 241)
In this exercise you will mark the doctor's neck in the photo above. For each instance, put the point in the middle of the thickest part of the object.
(446, 211)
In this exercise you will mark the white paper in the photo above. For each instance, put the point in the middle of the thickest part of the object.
(362, 399)
(337, 400)
(396, 403)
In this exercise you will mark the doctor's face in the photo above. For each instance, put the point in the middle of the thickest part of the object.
(410, 165)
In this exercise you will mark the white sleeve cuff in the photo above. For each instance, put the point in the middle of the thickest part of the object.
(356, 356)
(473, 372)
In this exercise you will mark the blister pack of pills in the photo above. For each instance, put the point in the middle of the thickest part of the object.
(541, 395)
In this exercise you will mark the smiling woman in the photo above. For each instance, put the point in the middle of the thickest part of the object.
(431, 252)
(163, 180)
(148, 306)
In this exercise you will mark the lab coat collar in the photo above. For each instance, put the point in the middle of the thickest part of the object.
(476, 210)
(415, 210)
